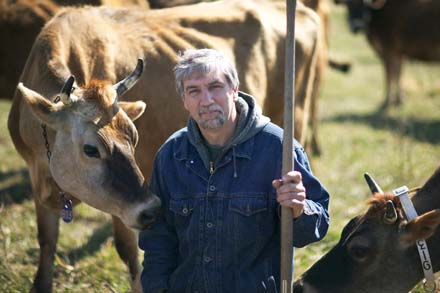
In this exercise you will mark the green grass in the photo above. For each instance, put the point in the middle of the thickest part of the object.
(401, 147)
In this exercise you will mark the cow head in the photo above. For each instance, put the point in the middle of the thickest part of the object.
(359, 12)
(93, 150)
(376, 252)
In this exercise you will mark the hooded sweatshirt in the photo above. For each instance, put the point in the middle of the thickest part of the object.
(250, 122)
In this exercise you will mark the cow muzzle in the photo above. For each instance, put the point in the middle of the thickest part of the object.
(145, 213)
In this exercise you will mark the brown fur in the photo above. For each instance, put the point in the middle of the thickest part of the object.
(20, 23)
(321, 7)
(400, 30)
(377, 256)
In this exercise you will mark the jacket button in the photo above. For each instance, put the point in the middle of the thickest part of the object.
(209, 225)
(207, 259)
(184, 211)
(212, 188)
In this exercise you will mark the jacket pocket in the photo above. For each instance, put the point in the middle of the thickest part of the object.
(182, 207)
(248, 206)
(182, 211)
(246, 221)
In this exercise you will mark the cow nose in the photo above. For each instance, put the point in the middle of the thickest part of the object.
(149, 215)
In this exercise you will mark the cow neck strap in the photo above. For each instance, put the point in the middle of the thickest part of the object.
(67, 205)
(429, 285)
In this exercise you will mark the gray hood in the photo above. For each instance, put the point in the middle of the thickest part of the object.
(250, 122)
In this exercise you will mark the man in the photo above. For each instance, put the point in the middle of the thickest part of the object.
(219, 182)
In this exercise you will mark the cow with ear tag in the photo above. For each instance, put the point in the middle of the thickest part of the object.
(89, 139)
(378, 250)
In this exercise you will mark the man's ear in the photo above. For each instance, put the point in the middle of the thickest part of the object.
(235, 89)
(49, 113)
(134, 110)
(421, 227)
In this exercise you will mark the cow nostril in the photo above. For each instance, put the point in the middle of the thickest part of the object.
(146, 218)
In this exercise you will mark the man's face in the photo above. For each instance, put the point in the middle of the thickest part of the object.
(209, 99)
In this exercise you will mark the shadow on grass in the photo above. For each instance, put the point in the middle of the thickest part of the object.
(99, 236)
(419, 129)
(16, 187)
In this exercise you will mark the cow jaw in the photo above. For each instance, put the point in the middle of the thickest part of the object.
(80, 176)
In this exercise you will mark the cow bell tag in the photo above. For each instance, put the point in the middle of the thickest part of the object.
(67, 210)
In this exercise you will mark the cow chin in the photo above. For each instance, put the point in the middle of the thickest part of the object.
(143, 215)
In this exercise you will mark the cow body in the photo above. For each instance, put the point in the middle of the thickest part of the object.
(374, 255)
(398, 30)
(20, 23)
(102, 44)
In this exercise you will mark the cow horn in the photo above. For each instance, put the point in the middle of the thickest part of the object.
(64, 95)
(374, 187)
(390, 216)
(128, 82)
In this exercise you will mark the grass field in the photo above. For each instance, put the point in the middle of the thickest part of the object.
(400, 147)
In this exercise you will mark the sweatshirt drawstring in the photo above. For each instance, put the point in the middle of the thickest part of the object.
(235, 164)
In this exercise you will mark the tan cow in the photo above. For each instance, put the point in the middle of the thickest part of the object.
(322, 8)
(20, 23)
(103, 44)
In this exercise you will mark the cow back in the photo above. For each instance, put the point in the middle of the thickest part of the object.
(104, 43)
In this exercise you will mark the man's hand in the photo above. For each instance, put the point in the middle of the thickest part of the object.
(291, 192)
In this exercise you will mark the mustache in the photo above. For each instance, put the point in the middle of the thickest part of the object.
(210, 108)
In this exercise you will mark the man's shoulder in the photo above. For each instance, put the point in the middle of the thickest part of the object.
(179, 134)
(174, 140)
(273, 131)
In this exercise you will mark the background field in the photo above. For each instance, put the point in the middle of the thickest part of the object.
(401, 147)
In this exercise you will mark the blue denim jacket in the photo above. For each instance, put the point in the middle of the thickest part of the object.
(220, 232)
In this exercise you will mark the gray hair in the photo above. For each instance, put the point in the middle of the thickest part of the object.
(203, 61)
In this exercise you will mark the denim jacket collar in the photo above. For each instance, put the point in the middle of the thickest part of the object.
(186, 151)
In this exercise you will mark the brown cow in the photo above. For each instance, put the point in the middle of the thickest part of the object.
(377, 250)
(322, 8)
(90, 156)
(103, 44)
(397, 30)
(20, 23)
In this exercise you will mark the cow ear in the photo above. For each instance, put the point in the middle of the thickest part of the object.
(49, 113)
(421, 227)
(134, 110)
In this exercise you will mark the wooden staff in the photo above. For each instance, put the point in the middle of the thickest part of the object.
(289, 99)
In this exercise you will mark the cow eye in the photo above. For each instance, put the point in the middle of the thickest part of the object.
(91, 151)
(359, 252)
(359, 248)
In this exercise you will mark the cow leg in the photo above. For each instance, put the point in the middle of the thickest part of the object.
(393, 66)
(399, 96)
(48, 227)
(314, 144)
(127, 248)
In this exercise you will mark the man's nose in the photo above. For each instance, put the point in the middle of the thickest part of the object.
(207, 97)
